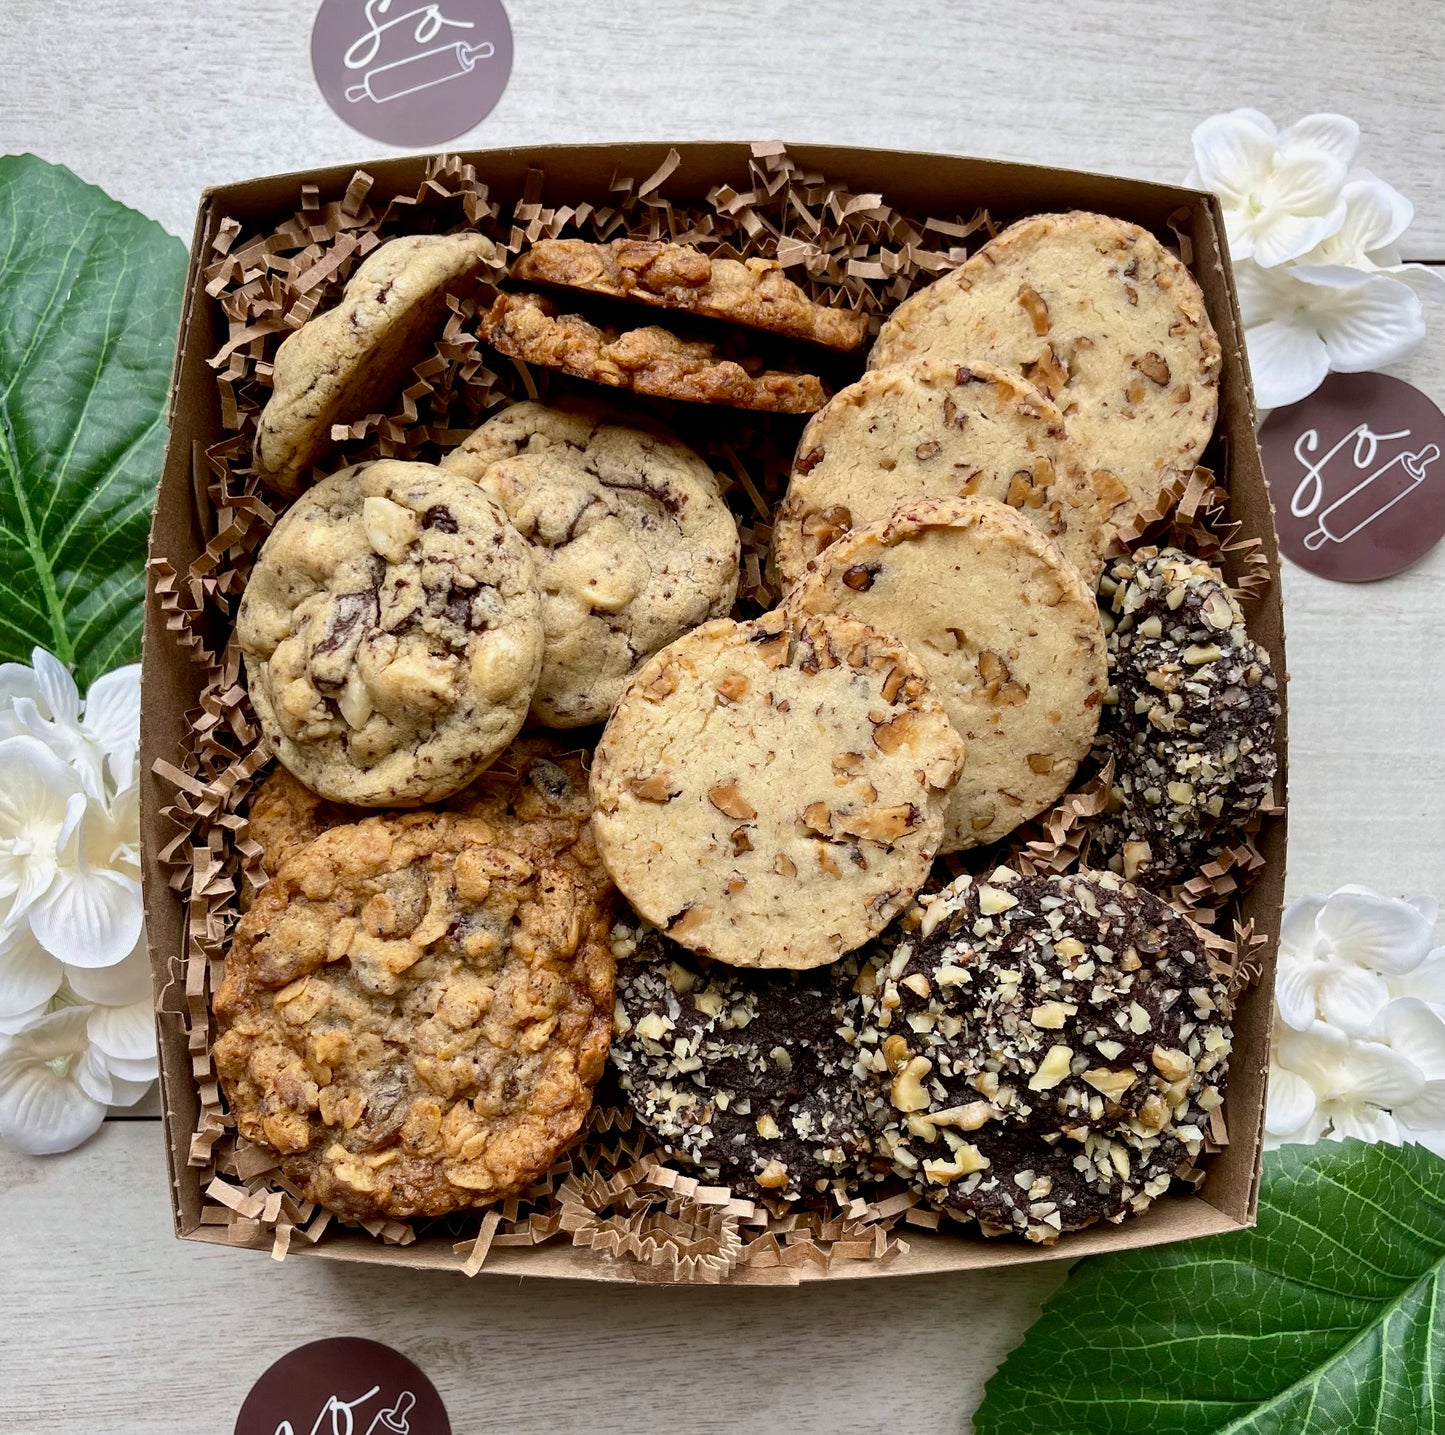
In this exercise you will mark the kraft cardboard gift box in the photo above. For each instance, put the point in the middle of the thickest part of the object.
(923, 184)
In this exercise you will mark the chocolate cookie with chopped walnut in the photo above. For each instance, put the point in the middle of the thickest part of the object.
(414, 1013)
(1043, 1052)
(1192, 732)
(741, 1075)
(392, 632)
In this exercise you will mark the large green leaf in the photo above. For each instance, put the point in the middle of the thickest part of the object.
(1329, 1316)
(90, 294)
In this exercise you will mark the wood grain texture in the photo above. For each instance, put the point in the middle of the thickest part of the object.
(158, 98)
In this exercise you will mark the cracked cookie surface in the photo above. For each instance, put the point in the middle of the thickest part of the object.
(1007, 631)
(647, 360)
(632, 542)
(341, 364)
(1102, 318)
(1043, 1052)
(770, 793)
(392, 633)
(414, 1013)
(752, 292)
(935, 430)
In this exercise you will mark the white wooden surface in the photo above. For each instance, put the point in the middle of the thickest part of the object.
(108, 1321)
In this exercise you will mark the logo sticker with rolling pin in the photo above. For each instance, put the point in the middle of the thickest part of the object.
(410, 74)
(1357, 476)
(345, 1386)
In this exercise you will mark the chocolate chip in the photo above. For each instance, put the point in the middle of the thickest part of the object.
(440, 517)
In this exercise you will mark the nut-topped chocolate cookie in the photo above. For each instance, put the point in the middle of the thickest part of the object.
(392, 633)
(1192, 727)
(770, 793)
(414, 1013)
(1045, 1052)
(632, 541)
(742, 1075)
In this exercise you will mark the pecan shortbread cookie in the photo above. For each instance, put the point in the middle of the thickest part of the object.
(935, 430)
(1044, 1052)
(1192, 730)
(1007, 631)
(339, 365)
(740, 1074)
(647, 360)
(751, 292)
(770, 793)
(632, 541)
(1107, 322)
(414, 1013)
(392, 633)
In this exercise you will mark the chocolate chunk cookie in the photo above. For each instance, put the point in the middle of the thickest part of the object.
(1007, 631)
(1107, 322)
(392, 632)
(771, 793)
(414, 1013)
(632, 542)
(751, 292)
(341, 364)
(935, 430)
(1192, 731)
(740, 1074)
(1045, 1052)
(647, 360)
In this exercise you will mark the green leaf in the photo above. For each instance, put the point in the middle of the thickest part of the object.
(1328, 1316)
(90, 295)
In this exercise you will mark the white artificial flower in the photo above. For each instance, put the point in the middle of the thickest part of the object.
(1280, 189)
(1376, 215)
(58, 1076)
(1359, 1047)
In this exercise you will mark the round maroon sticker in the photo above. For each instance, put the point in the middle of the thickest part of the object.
(1357, 477)
(345, 1386)
(411, 74)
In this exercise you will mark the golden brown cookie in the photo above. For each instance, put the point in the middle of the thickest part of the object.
(1102, 318)
(647, 360)
(1007, 631)
(751, 292)
(771, 793)
(935, 430)
(392, 632)
(341, 364)
(414, 1013)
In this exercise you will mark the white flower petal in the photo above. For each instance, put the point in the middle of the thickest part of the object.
(138, 1072)
(1233, 154)
(1418, 1033)
(1280, 234)
(1427, 907)
(1367, 324)
(58, 697)
(123, 1033)
(34, 783)
(42, 1113)
(29, 975)
(1426, 983)
(1381, 1075)
(1427, 281)
(127, 1093)
(129, 980)
(1318, 1054)
(89, 917)
(1296, 988)
(1297, 934)
(1351, 998)
(112, 718)
(1374, 931)
(1337, 135)
(1291, 1102)
(93, 1077)
(1427, 1111)
(1376, 215)
(22, 1021)
(1287, 362)
(1364, 1122)
(1430, 1140)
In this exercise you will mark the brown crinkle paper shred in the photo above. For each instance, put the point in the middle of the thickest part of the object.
(613, 1193)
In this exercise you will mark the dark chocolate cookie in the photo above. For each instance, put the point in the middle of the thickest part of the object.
(1042, 1052)
(1192, 732)
(741, 1074)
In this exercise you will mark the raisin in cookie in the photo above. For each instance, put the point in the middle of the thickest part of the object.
(771, 793)
(935, 430)
(392, 632)
(1045, 1052)
(1107, 322)
(1192, 731)
(632, 542)
(414, 1013)
(740, 1074)
(751, 292)
(1007, 631)
(647, 360)
(338, 366)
